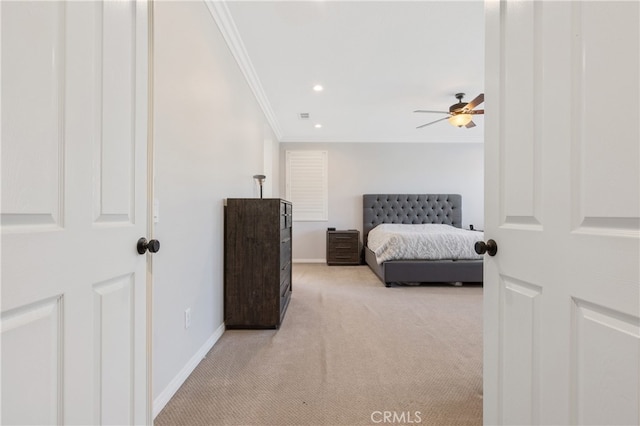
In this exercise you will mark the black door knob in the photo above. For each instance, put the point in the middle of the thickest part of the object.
(490, 247)
(152, 245)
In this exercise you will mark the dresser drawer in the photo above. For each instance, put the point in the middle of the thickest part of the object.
(285, 273)
(284, 302)
(285, 253)
(285, 286)
(285, 234)
(285, 215)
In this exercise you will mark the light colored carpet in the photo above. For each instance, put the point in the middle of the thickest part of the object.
(350, 352)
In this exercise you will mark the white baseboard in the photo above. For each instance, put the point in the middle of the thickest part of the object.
(309, 261)
(174, 385)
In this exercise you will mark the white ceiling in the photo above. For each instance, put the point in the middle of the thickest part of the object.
(378, 62)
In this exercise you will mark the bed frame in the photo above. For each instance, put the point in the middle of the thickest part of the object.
(417, 209)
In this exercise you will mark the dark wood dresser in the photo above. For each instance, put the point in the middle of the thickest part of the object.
(257, 262)
(343, 247)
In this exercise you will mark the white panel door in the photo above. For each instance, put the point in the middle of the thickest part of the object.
(74, 192)
(562, 294)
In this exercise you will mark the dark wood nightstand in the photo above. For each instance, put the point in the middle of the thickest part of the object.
(343, 247)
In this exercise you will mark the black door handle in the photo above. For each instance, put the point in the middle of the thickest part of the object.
(490, 247)
(152, 245)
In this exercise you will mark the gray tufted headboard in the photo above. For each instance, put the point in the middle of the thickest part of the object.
(410, 208)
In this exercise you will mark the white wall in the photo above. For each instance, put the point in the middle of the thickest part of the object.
(366, 168)
(209, 135)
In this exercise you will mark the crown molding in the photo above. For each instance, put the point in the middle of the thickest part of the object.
(446, 141)
(222, 16)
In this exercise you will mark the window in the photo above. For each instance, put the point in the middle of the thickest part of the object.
(307, 184)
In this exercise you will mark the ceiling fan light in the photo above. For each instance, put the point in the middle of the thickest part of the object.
(460, 120)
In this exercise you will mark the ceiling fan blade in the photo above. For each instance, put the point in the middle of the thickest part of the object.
(470, 125)
(475, 111)
(428, 124)
(477, 101)
(435, 112)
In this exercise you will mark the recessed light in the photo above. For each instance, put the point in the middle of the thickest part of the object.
(318, 88)
(317, 126)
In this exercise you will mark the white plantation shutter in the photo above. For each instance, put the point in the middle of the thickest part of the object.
(307, 184)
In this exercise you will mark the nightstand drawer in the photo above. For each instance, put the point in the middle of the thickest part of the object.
(345, 258)
(348, 241)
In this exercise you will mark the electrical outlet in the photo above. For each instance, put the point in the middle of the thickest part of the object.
(187, 318)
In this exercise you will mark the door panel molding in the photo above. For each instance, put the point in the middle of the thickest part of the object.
(521, 313)
(32, 348)
(115, 91)
(606, 179)
(605, 352)
(114, 350)
(520, 139)
(42, 101)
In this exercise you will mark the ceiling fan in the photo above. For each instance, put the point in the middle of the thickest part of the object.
(460, 113)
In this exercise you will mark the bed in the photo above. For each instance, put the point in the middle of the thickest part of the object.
(417, 209)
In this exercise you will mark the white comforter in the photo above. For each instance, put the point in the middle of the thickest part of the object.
(428, 241)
